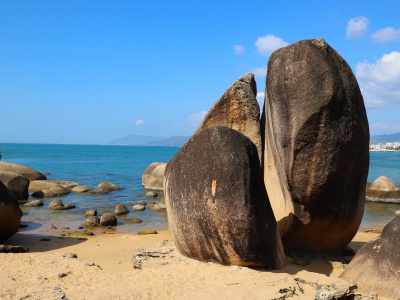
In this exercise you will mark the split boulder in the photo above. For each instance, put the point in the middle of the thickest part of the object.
(217, 205)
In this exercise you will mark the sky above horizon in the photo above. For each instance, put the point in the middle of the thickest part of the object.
(93, 71)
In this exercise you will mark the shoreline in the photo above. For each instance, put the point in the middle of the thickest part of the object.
(103, 269)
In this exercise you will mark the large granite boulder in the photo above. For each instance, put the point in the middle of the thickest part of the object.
(383, 189)
(237, 109)
(147, 173)
(316, 143)
(156, 178)
(27, 172)
(17, 184)
(217, 205)
(375, 268)
(10, 214)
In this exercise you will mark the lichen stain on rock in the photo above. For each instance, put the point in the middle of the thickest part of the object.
(213, 187)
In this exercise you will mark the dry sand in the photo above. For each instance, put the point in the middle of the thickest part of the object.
(103, 269)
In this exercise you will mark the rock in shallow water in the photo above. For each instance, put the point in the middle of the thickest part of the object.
(108, 219)
(316, 154)
(217, 205)
(34, 203)
(121, 209)
(58, 205)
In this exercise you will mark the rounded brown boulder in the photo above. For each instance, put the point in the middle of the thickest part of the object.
(27, 172)
(17, 184)
(316, 154)
(217, 205)
(10, 214)
(375, 268)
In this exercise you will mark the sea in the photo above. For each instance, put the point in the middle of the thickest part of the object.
(124, 165)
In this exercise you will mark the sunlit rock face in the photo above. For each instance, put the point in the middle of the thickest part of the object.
(315, 148)
(237, 109)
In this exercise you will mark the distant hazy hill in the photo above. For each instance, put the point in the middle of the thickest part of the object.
(141, 140)
(385, 138)
(171, 141)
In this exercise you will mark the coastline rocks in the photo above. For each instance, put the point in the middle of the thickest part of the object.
(384, 184)
(147, 231)
(138, 207)
(81, 189)
(217, 205)
(151, 194)
(375, 268)
(121, 209)
(16, 184)
(10, 214)
(108, 220)
(316, 155)
(55, 190)
(34, 203)
(147, 173)
(108, 186)
(156, 178)
(132, 221)
(27, 172)
(57, 205)
(237, 109)
(50, 188)
(92, 221)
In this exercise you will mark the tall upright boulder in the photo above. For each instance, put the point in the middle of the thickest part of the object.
(237, 109)
(27, 172)
(10, 214)
(217, 205)
(375, 268)
(316, 141)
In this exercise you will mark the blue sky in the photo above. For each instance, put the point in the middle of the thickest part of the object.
(92, 71)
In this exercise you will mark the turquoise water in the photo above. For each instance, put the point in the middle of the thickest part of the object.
(89, 165)
(123, 165)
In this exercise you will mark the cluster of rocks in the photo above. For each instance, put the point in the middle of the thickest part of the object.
(383, 189)
(243, 189)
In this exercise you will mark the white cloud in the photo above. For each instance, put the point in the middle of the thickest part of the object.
(387, 34)
(269, 43)
(140, 122)
(260, 99)
(260, 72)
(356, 27)
(239, 49)
(197, 117)
(380, 81)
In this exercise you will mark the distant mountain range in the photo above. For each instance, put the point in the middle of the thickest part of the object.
(385, 138)
(141, 140)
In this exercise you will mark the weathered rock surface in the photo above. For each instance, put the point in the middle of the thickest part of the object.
(39, 185)
(91, 212)
(156, 178)
(316, 154)
(216, 179)
(108, 220)
(58, 205)
(92, 221)
(34, 203)
(80, 189)
(384, 184)
(27, 172)
(10, 214)
(121, 209)
(237, 109)
(147, 173)
(16, 184)
(109, 186)
(375, 268)
(138, 207)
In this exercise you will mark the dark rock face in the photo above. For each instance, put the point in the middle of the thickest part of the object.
(27, 172)
(10, 214)
(217, 205)
(17, 184)
(237, 109)
(375, 268)
(316, 154)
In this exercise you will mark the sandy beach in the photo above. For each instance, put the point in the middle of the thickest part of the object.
(100, 267)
